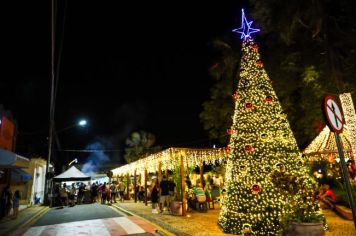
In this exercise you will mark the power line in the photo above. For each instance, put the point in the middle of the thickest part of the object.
(121, 150)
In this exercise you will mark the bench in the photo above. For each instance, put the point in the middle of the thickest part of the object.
(344, 212)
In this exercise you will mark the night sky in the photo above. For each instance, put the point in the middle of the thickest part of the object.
(142, 66)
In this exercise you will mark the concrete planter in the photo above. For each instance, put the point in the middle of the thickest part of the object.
(306, 229)
(176, 208)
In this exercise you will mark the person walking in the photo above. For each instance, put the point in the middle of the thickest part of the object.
(113, 192)
(94, 192)
(107, 190)
(64, 194)
(172, 190)
(16, 204)
(72, 194)
(100, 191)
(103, 193)
(80, 194)
(154, 198)
(122, 190)
(164, 193)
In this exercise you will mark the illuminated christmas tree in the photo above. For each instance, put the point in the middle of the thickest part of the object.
(265, 176)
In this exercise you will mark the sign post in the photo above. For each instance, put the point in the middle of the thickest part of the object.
(335, 121)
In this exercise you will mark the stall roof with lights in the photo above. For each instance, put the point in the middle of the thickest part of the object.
(169, 158)
(324, 145)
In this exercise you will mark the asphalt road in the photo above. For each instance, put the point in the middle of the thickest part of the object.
(77, 213)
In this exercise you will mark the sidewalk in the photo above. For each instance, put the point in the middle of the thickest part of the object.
(26, 215)
(338, 226)
(197, 223)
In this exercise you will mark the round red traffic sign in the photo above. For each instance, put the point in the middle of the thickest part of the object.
(334, 117)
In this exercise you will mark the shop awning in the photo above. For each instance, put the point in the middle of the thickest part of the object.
(18, 175)
(11, 160)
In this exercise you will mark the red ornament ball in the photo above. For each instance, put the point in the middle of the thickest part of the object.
(248, 105)
(230, 131)
(259, 63)
(255, 47)
(256, 189)
(269, 99)
(248, 148)
(235, 96)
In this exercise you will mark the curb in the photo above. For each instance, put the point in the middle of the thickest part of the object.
(161, 231)
(124, 210)
(34, 217)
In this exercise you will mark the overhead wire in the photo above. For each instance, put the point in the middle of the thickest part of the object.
(121, 150)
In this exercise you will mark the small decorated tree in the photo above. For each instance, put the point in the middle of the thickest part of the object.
(261, 145)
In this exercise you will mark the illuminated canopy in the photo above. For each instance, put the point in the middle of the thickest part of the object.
(170, 158)
(324, 145)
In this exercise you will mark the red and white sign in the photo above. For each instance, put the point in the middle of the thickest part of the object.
(333, 114)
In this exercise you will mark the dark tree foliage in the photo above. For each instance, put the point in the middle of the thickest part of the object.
(308, 49)
(217, 112)
(138, 144)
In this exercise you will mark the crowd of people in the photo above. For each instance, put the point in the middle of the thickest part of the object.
(105, 193)
(162, 194)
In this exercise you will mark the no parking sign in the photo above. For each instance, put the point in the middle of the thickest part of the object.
(335, 121)
(333, 115)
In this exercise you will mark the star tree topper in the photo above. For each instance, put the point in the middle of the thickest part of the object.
(245, 30)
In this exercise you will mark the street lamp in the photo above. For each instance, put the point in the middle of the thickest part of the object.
(74, 161)
(81, 123)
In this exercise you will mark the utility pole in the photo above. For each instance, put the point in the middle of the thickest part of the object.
(51, 110)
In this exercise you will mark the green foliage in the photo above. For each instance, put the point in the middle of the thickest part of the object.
(301, 208)
(341, 193)
(177, 181)
(312, 54)
(219, 169)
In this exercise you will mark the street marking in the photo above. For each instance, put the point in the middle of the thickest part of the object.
(143, 224)
(159, 228)
(35, 217)
(35, 231)
(129, 226)
(102, 227)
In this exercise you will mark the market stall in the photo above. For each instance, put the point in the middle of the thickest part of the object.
(171, 159)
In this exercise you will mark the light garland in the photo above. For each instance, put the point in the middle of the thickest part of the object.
(350, 119)
(170, 158)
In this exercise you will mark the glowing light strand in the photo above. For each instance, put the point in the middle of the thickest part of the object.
(170, 158)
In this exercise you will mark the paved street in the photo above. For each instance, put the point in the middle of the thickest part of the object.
(103, 227)
(88, 219)
(77, 213)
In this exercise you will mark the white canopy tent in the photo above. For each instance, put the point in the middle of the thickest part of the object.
(72, 174)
